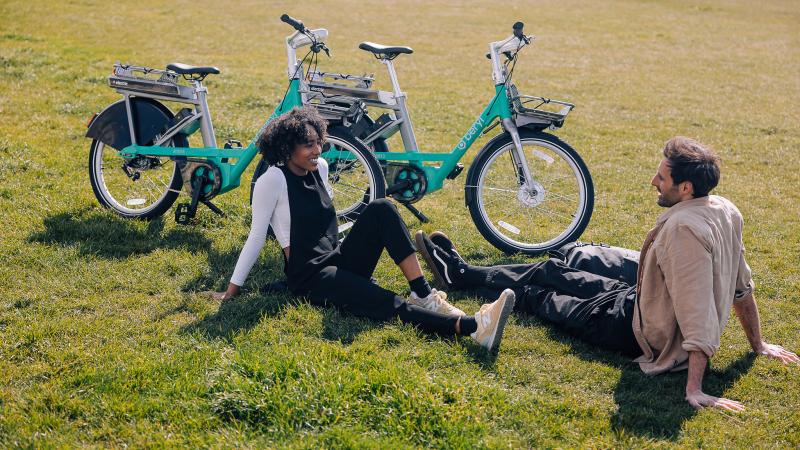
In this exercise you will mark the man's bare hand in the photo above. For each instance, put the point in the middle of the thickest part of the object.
(699, 400)
(778, 352)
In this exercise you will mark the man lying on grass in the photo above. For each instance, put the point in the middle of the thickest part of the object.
(691, 271)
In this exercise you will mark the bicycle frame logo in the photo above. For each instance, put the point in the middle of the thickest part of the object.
(468, 137)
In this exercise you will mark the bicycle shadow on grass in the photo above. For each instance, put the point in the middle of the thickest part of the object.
(648, 406)
(99, 233)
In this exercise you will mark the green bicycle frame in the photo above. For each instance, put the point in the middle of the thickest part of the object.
(498, 108)
(232, 162)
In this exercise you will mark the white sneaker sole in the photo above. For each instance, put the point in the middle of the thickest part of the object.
(508, 307)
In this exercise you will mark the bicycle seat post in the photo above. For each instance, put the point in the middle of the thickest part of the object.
(206, 127)
(406, 128)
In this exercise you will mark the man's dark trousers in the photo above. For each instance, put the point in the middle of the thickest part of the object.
(595, 306)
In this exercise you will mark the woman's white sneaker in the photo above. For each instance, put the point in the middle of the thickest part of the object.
(436, 302)
(492, 318)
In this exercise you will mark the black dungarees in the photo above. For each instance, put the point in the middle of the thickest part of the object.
(339, 275)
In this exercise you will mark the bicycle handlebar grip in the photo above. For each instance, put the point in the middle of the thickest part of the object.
(518, 26)
(296, 24)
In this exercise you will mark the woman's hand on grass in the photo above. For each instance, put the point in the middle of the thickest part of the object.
(231, 292)
(215, 295)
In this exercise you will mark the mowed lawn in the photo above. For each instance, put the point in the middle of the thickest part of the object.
(104, 341)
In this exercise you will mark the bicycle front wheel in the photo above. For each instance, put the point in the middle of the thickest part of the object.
(530, 218)
(141, 188)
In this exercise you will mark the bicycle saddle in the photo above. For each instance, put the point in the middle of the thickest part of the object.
(385, 51)
(185, 69)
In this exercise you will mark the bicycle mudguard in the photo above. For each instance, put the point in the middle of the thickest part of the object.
(111, 125)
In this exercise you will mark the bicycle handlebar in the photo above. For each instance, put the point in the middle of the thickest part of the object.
(296, 24)
(518, 26)
(518, 29)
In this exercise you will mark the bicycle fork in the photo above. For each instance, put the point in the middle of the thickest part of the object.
(524, 176)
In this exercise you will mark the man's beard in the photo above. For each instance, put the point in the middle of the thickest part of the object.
(665, 201)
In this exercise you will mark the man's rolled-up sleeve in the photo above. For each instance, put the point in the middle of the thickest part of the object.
(687, 267)
(744, 279)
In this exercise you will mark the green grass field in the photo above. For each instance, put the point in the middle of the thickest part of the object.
(104, 341)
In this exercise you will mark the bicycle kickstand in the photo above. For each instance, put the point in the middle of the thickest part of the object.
(400, 186)
(417, 213)
(213, 207)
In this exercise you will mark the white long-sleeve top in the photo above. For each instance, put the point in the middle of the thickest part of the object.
(270, 208)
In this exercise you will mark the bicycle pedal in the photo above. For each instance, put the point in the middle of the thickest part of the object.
(455, 172)
(184, 213)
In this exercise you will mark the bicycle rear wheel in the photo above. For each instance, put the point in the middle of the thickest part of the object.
(144, 187)
(515, 217)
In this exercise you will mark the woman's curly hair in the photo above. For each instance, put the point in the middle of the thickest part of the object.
(286, 132)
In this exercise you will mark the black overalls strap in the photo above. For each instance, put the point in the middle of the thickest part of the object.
(313, 234)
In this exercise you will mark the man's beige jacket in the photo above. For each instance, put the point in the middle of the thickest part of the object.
(691, 269)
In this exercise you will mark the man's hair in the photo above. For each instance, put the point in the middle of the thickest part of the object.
(286, 132)
(689, 160)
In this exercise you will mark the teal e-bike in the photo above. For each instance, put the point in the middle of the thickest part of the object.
(140, 158)
(527, 190)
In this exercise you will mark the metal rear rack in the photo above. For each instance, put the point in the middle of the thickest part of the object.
(340, 88)
(139, 79)
(358, 81)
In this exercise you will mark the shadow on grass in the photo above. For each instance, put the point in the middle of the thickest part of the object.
(344, 327)
(237, 315)
(108, 236)
(648, 406)
(243, 313)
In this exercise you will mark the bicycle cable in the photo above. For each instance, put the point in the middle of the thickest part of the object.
(513, 61)
(299, 66)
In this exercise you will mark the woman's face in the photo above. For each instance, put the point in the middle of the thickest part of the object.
(305, 156)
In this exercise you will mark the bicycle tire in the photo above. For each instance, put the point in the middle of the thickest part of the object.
(530, 221)
(102, 156)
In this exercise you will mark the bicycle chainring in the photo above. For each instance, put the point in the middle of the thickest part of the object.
(209, 177)
(415, 179)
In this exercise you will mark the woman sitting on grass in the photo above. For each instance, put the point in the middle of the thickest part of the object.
(293, 196)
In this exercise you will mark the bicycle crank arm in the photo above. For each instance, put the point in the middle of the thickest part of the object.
(397, 187)
(417, 213)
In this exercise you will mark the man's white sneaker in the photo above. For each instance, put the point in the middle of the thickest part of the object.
(436, 302)
(492, 319)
